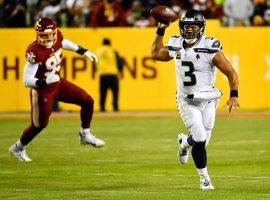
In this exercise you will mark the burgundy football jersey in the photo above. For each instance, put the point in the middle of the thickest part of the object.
(49, 59)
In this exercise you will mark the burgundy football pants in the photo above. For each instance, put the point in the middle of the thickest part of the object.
(42, 100)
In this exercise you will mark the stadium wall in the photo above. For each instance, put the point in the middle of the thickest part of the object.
(146, 84)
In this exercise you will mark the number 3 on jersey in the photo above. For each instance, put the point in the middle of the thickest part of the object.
(190, 78)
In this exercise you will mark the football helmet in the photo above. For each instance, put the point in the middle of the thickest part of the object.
(46, 32)
(191, 33)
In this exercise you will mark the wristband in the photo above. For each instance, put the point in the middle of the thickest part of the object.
(160, 31)
(234, 93)
(81, 50)
(41, 82)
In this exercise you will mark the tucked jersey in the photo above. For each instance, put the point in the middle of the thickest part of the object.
(48, 59)
(195, 71)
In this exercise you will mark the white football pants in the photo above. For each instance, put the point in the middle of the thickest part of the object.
(198, 117)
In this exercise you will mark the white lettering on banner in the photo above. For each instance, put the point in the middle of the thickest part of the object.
(267, 60)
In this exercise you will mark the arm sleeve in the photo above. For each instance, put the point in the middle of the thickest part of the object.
(68, 45)
(30, 71)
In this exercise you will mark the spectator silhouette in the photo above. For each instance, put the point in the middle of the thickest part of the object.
(238, 13)
(109, 66)
(108, 13)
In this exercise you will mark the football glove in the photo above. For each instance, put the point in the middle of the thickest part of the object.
(164, 26)
(91, 56)
(52, 78)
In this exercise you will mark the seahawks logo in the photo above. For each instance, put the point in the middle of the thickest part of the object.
(216, 44)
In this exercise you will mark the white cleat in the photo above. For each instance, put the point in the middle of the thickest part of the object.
(206, 184)
(19, 153)
(182, 150)
(88, 138)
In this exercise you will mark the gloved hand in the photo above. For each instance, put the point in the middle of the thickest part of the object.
(52, 78)
(91, 56)
(160, 25)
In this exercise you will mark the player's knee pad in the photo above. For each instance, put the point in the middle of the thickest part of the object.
(209, 124)
(40, 123)
(38, 129)
(198, 132)
(88, 101)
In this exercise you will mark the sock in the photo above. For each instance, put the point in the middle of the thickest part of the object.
(19, 144)
(199, 154)
(203, 172)
(84, 130)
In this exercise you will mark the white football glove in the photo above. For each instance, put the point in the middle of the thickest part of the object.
(52, 78)
(91, 56)
(164, 26)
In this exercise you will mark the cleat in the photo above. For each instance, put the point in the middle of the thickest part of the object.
(88, 138)
(182, 150)
(19, 153)
(206, 184)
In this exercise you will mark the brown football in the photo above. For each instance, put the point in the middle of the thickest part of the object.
(164, 14)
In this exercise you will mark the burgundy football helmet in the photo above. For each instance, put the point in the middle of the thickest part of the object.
(46, 32)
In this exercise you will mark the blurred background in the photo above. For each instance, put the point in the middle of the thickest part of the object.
(145, 84)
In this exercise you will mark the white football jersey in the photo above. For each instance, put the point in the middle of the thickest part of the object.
(195, 71)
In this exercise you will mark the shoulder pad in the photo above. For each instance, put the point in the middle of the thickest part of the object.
(59, 35)
(213, 43)
(31, 52)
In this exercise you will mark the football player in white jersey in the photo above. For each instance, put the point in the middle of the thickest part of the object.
(196, 58)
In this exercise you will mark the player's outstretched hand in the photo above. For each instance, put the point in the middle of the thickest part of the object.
(232, 103)
(52, 78)
(91, 56)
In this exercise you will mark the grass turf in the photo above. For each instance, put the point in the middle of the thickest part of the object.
(139, 161)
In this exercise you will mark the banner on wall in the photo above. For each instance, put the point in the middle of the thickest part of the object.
(146, 84)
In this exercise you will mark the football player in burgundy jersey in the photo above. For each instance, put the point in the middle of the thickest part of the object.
(42, 75)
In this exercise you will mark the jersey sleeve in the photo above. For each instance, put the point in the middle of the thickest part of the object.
(68, 45)
(172, 46)
(32, 54)
(214, 46)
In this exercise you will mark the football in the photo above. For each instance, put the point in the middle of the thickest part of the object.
(164, 14)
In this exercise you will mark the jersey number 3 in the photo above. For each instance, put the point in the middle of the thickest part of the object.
(190, 77)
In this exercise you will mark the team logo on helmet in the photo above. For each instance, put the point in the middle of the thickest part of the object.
(46, 32)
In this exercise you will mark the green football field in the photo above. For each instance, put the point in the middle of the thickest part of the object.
(139, 161)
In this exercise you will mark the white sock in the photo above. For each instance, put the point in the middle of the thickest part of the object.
(203, 172)
(85, 130)
(19, 144)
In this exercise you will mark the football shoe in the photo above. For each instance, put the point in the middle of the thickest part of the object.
(88, 138)
(205, 184)
(182, 150)
(19, 153)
